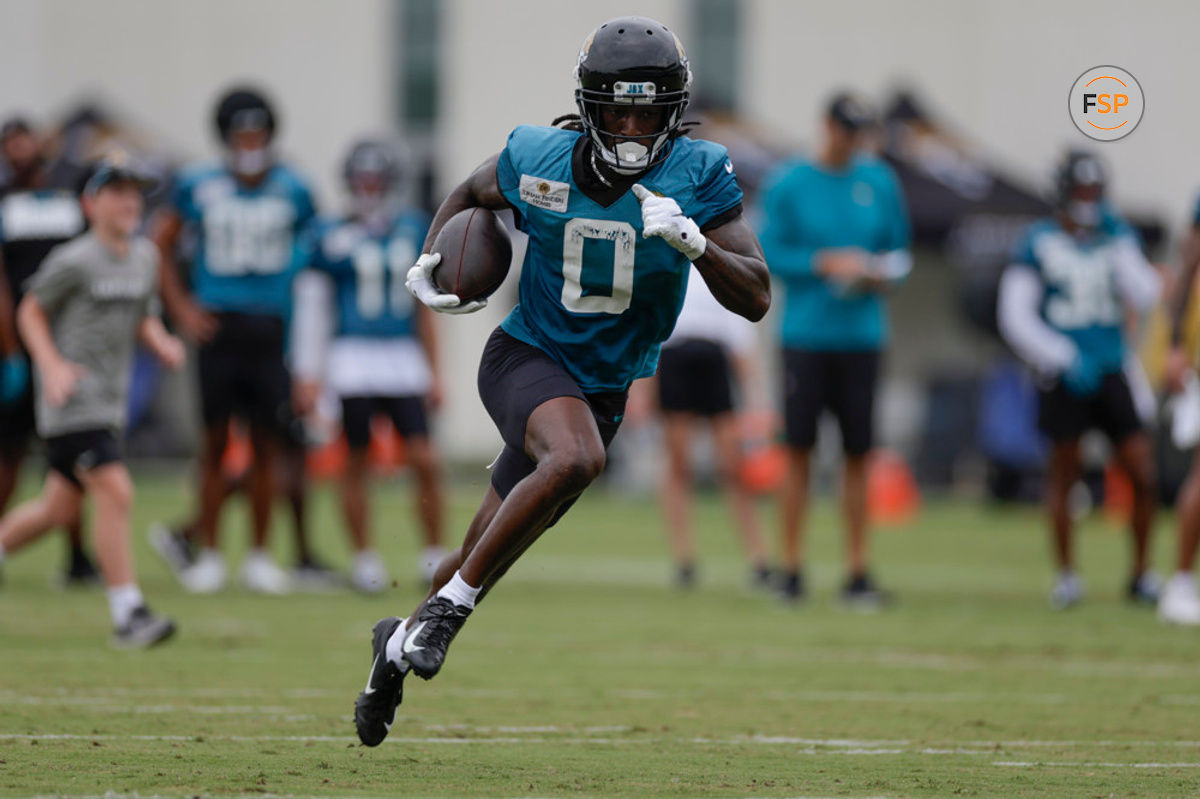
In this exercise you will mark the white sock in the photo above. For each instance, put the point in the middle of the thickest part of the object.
(458, 592)
(122, 601)
(395, 647)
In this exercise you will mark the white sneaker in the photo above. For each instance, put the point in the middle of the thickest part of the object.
(262, 575)
(207, 575)
(369, 574)
(428, 562)
(1067, 591)
(1180, 601)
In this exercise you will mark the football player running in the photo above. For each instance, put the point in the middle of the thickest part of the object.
(247, 216)
(616, 206)
(358, 330)
(34, 218)
(1062, 309)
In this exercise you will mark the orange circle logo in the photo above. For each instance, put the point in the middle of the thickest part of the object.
(1106, 103)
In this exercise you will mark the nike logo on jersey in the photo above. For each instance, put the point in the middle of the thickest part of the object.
(729, 167)
(409, 646)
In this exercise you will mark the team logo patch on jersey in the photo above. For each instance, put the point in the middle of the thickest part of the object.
(548, 194)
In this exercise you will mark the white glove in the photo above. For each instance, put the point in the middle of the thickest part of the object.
(421, 286)
(661, 216)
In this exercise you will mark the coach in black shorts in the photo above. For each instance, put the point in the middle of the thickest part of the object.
(836, 235)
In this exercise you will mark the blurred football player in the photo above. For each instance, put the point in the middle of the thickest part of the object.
(1180, 600)
(707, 356)
(90, 304)
(359, 332)
(836, 234)
(1061, 308)
(616, 206)
(246, 216)
(34, 218)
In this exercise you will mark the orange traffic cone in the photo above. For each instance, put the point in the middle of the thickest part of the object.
(892, 493)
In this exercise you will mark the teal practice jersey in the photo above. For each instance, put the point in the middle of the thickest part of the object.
(1081, 298)
(808, 208)
(595, 294)
(368, 273)
(249, 242)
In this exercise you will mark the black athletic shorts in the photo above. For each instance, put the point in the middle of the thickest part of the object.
(694, 377)
(1063, 416)
(841, 382)
(243, 375)
(514, 379)
(85, 450)
(407, 415)
(17, 424)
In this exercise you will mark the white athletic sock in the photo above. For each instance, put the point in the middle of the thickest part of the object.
(395, 647)
(458, 592)
(122, 601)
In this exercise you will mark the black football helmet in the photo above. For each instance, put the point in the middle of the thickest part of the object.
(242, 108)
(632, 61)
(372, 158)
(1077, 168)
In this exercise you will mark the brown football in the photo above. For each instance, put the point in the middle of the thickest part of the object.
(476, 253)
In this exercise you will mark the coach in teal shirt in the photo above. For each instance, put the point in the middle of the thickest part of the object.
(836, 234)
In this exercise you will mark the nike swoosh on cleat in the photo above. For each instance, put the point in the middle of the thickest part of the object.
(369, 690)
(409, 646)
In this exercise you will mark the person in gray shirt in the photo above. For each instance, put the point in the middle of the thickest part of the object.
(85, 311)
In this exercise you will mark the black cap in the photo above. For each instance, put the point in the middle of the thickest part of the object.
(117, 168)
(851, 111)
(15, 124)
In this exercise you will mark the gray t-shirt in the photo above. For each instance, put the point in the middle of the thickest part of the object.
(95, 302)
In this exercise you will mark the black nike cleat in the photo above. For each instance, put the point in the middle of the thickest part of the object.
(375, 708)
(429, 635)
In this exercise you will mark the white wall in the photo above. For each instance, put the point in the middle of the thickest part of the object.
(327, 65)
(1000, 69)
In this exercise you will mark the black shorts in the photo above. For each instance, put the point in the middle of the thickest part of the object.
(85, 450)
(841, 382)
(1063, 416)
(407, 415)
(17, 425)
(694, 377)
(243, 375)
(514, 379)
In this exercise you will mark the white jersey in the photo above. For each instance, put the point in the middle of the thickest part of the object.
(704, 318)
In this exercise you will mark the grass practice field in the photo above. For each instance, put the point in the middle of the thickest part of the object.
(586, 674)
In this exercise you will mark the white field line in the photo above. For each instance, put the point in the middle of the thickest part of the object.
(135, 795)
(1088, 764)
(813, 746)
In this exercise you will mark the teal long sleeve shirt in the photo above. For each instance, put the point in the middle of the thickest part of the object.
(808, 208)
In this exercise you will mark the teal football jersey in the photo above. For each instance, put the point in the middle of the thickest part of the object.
(1081, 298)
(368, 272)
(249, 241)
(594, 294)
